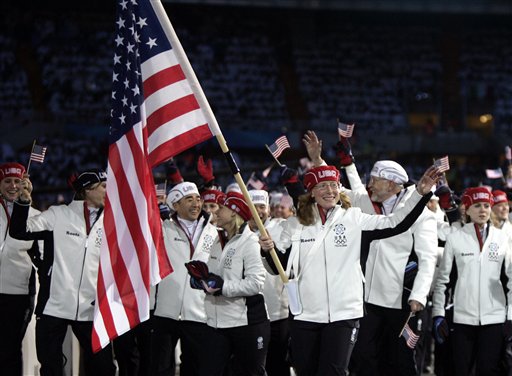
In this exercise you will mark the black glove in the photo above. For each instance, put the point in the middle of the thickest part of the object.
(441, 329)
(344, 152)
(446, 198)
(215, 281)
(288, 175)
(197, 269)
(165, 211)
(196, 284)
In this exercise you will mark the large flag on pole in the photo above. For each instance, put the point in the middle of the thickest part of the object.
(155, 115)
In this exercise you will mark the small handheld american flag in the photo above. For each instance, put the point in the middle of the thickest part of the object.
(411, 338)
(345, 130)
(277, 148)
(442, 163)
(494, 174)
(37, 154)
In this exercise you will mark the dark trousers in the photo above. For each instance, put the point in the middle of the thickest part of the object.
(246, 346)
(379, 350)
(15, 314)
(165, 335)
(322, 349)
(479, 344)
(50, 334)
(132, 351)
(277, 362)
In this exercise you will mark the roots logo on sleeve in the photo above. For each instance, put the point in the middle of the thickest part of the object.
(340, 240)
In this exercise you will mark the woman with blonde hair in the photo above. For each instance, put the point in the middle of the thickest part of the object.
(321, 248)
(479, 253)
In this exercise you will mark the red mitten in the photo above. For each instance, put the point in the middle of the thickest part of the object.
(197, 269)
(205, 169)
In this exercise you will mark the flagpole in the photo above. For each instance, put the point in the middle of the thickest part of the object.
(29, 157)
(212, 122)
(406, 321)
(279, 163)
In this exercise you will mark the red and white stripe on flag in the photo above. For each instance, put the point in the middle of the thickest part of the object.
(442, 163)
(279, 146)
(411, 338)
(155, 115)
(345, 130)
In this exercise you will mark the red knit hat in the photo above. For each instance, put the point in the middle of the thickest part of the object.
(476, 194)
(213, 196)
(236, 202)
(11, 170)
(319, 174)
(499, 196)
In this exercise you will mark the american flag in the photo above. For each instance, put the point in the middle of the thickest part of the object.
(255, 182)
(411, 338)
(442, 163)
(494, 174)
(277, 148)
(160, 189)
(38, 153)
(345, 130)
(508, 153)
(155, 115)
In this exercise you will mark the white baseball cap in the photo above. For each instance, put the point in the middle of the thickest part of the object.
(390, 170)
(181, 190)
(259, 196)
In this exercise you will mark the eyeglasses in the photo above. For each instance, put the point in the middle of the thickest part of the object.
(323, 186)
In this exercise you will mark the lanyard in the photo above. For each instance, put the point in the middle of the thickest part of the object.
(479, 236)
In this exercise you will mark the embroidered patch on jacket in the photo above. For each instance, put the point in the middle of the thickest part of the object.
(228, 260)
(494, 252)
(340, 240)
(207, 243)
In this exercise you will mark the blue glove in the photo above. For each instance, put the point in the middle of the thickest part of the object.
(165, 211)
(440, 329)
(215, 281)
(196, 283)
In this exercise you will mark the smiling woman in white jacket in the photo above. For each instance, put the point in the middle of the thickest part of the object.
(234, 301)
(321, 249)
(481, 253)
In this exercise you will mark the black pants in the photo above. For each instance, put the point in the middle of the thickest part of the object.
(246, 346)
(322, 349)
(277, 363)
(480, 344)
(165, 335)
(15, 313)
(133, 352)
(50, 334)
(379, 350)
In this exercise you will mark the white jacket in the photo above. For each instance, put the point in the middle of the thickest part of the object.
(239, 264)
(174, 297)
(274, 291)
(74, 272)
(330, 278)
(388, 258)
(15, 263)
(479, 298)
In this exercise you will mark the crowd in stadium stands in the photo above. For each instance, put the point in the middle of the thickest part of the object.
(371, 73)
(486, 74)
(367, 84)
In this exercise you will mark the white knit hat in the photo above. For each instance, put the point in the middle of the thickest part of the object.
(181, 190)
(390, 170)
(259, 196)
